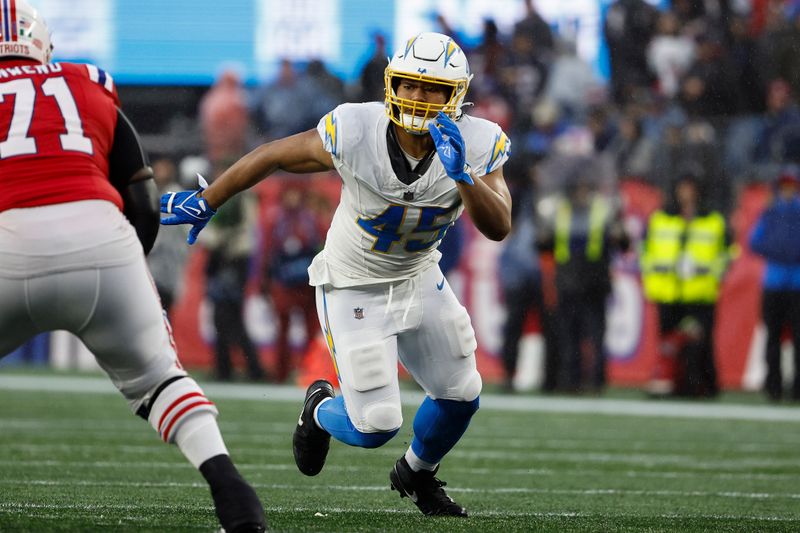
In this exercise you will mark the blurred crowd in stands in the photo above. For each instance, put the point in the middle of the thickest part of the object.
(703, 92)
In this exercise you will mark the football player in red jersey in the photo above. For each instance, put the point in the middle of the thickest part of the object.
(77, 192)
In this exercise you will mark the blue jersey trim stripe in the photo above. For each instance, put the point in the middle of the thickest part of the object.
(6, 21)
(101, 76)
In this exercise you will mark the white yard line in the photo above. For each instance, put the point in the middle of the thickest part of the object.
(493, 472)
(655, 408)
(529, 456)
(479, 437)
(338, 468)
(27, 508)
(382, 488)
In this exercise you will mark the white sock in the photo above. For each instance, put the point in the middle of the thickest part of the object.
(418, 464)
(199, 438)
(316, 420)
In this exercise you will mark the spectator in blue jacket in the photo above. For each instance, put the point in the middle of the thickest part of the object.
(776, 237)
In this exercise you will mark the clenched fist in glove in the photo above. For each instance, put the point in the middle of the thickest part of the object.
(450, 147)
(187, 207)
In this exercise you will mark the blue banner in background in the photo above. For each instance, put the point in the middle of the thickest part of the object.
(181, 41)
(188, 42)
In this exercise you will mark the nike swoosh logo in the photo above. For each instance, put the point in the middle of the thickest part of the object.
(300, 419)
(440, 286)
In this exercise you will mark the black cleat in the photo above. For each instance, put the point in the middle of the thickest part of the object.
(236, 504)
(424, 490)
(310, 444)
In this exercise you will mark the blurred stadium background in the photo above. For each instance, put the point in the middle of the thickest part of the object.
(556, 94)
(530, 462)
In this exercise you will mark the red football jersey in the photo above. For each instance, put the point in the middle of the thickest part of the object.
(56, 130)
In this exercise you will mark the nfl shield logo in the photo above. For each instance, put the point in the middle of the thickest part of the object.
(358, 313)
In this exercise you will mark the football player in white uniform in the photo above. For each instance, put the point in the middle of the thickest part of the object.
(409, 168)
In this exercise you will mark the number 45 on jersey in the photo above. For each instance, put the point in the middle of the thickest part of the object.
(388, 227)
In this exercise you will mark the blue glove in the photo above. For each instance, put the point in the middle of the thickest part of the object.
(187, 207)
(451, 148)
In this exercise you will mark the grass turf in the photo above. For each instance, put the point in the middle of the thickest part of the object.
(81, 462)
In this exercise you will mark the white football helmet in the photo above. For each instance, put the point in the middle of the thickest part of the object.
(23, 33)
(429, 57)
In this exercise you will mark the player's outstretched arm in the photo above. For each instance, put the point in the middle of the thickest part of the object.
(486, 199)
(299, 153)
(303, 152)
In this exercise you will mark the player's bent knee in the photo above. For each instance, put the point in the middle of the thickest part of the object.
(383, 417)
(471, 387)
(174, 402)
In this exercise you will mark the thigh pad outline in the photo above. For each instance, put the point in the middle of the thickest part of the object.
(370, 367)
(461, 327)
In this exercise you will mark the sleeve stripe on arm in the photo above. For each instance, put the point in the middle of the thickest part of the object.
(109, 82)
(500, 152)
(331, 131)
(101, 77)
(94, 73)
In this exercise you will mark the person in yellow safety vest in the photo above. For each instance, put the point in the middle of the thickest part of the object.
(586, 229)
(685, 255)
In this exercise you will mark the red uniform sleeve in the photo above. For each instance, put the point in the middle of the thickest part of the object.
(104, 79)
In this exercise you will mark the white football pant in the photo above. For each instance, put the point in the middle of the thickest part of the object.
(79, 267)
(418, 321)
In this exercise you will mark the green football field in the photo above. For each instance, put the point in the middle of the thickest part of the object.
(75, 459)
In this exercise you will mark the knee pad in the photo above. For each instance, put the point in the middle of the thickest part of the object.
(172, 403)
(470, 387)
(383, 416)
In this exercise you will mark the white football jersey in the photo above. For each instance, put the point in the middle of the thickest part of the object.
(384, 230)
